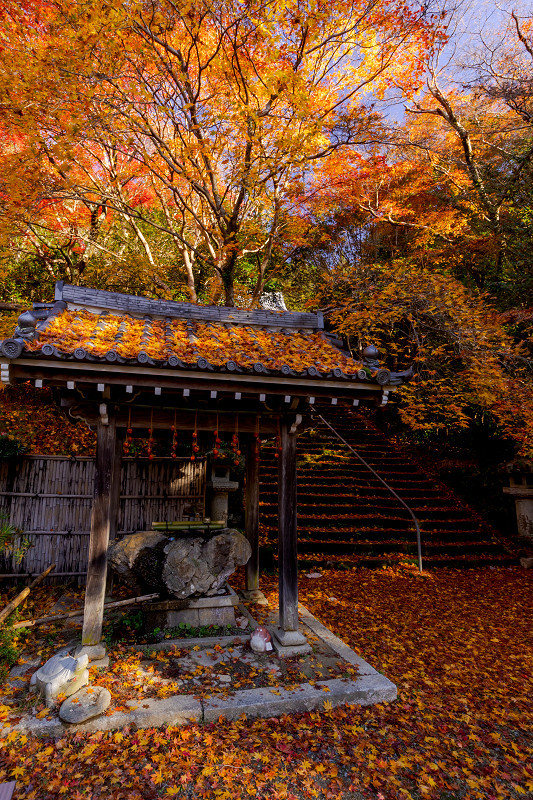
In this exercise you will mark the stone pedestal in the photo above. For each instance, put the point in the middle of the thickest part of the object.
(219, 507)
(221, 486)
(217, 610)
(520, 475)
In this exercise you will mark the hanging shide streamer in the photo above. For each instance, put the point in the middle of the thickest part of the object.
(195, 448)
(216, 448)
(129, 436)
(174, 438)
(150, 435)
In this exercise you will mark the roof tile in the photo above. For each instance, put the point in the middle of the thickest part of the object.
(101, 334)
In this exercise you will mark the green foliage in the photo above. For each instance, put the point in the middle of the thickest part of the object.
(12, 543)
(10, 447)
(11, 640)
(185, 631)
(133, 620)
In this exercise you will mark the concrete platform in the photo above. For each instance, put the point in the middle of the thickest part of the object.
(366, 687)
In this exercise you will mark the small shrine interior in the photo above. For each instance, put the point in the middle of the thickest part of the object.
(133, 365)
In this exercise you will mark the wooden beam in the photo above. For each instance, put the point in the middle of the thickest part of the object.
(287, 538)
(102, 523)
(202, 420)
(251, 507)
(167, 378)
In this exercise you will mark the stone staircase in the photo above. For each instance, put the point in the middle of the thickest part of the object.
(345, 515)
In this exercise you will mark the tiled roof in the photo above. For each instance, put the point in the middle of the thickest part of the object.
(176, 342)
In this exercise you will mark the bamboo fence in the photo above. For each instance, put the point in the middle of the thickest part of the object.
(49, 498)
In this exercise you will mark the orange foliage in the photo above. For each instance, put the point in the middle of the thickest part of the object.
(31, 416)
(8, 323)
(213, 111)
(462, 356)
(216, 343)
(456, 643)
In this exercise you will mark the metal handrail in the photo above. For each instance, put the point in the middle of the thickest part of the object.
(385, 484)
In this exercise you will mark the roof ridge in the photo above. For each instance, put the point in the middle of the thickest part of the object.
(85, 297)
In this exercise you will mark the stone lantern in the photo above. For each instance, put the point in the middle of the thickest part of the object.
(221, 486)
(520, 474)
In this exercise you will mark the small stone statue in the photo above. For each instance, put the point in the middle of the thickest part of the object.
(62, 674)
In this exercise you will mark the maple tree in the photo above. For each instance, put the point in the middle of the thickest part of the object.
(414, 234)
(217, 111)
(462, 356)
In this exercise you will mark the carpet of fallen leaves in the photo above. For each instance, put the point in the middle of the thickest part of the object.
(457, 644)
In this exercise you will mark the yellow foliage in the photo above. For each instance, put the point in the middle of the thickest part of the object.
(462, 356)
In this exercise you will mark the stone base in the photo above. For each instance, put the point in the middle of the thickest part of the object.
(85, 704)
(255, 596)
(197, 612)
(94, 651)
(289, 643)
(101, 663)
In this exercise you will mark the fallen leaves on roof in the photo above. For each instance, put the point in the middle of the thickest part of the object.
(99, 334)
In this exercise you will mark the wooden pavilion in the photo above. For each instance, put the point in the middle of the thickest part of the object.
(200, 368)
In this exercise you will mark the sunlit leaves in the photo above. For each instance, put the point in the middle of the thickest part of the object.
(190, 341)
(456, 643)
(211, 114)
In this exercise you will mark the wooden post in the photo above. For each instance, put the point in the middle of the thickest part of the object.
(287, 540)
(251, 505)
(101, 524)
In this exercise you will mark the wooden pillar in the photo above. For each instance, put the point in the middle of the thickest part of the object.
(287, 539)
(251, 505)
(102, 522)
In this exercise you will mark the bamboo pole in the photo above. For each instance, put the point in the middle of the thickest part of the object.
(30, 623)
(23, 594)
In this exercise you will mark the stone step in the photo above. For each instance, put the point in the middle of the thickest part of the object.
(394, 546)
(359, 491)
(344, 511)
(355, 535)
(374, 521)
(316, 561)
(360, 505)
